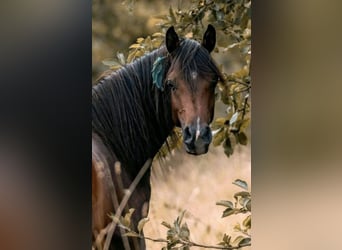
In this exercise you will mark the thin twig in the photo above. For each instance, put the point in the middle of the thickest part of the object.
(219, 247)
(184, 242)
(124, 202)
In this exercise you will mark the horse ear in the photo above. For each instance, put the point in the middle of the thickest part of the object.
(209, 38)
(172, 40)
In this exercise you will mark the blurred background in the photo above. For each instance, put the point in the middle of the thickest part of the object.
(180, 181)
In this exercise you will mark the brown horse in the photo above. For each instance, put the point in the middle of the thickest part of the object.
(136, 108)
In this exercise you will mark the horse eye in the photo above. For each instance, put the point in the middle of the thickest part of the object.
(171, 84)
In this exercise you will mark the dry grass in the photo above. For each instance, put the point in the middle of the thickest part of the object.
(195, 184)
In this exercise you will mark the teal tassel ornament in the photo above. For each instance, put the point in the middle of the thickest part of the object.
(158, 72)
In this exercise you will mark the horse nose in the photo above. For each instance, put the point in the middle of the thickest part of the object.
(205, 134)
(196, 139)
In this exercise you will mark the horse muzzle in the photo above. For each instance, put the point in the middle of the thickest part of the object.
(197, 139)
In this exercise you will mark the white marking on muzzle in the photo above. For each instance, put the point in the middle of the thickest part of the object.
(198, 128)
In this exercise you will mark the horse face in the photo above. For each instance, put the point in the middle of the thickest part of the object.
(192, 97)
(193, 111)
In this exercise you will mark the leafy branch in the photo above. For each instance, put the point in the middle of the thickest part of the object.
(242, 205)
(177, 235)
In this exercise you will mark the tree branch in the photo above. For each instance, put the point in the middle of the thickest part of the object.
(183, 242)
(124, 202)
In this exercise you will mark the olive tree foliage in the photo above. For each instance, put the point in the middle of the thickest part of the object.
(232, 20)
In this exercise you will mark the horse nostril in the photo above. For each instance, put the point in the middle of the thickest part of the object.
(206, 134)
(186, 132)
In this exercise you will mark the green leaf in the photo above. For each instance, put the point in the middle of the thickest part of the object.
(140, 39)
(245, 124)
(249, 205)
(219, 137)
(126, 221)
(184, 232)
(247, 222)
(225, 203)
(218, 123)
(165, 224)
(237, 240)
(244, 200)
(229, 211)
(228, 149)
(245, 241)
(241, 184)
(242, 194)
(180, 217)
(237, 227)
(242, 137)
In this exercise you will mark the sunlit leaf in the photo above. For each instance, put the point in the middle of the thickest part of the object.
(142, 223)
(219, 137)
(247, 222)
(237, 240)
(158, 34)
(228, 149)
(140, 39)
(135, 46)
(227, 212)
(225, 203)
(242, 138)
(242, 194)
(249, 205)
(180, 217)
(241, 184)
(244, 241)
(245, 124)
(244, 200)
(165, 224)
(126, 221)
(237, 227)
(184, 232)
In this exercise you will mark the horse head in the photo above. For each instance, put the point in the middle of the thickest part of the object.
(191, 79)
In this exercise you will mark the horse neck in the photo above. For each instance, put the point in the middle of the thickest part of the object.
(131, 115)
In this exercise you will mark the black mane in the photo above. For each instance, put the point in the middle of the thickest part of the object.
(130, 114)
